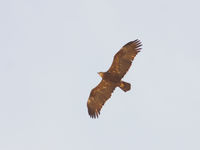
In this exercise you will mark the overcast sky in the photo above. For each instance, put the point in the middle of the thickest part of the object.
(51, 51)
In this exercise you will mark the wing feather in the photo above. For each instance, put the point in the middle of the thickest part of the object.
(98, 96)
(124, 57)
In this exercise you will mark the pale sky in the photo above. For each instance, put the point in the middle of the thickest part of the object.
(51, 51)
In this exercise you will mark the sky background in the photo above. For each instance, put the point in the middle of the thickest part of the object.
(51, 51)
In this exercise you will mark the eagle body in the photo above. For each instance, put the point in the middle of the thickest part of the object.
(112, 78)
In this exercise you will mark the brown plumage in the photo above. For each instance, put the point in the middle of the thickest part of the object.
(112, 78)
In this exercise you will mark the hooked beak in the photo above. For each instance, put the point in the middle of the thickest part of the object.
(100, 73)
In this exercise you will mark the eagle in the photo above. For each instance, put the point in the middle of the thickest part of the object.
(112, 78)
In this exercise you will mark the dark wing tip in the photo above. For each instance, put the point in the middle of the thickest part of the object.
(93, 114)
(92, 110)
(136, 44)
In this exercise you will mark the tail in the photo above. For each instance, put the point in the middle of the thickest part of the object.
(125, 86)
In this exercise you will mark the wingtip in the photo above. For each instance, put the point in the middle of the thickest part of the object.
(94, 115)
(137, 43)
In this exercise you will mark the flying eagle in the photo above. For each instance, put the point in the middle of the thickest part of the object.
(112, 78)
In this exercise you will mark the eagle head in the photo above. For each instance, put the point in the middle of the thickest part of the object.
(101, 74)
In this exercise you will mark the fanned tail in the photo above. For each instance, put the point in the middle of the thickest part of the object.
(125, 86)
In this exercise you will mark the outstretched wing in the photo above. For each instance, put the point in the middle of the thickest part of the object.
(98, 96)
(124, 57)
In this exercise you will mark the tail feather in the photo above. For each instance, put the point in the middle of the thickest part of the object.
(125, 86)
